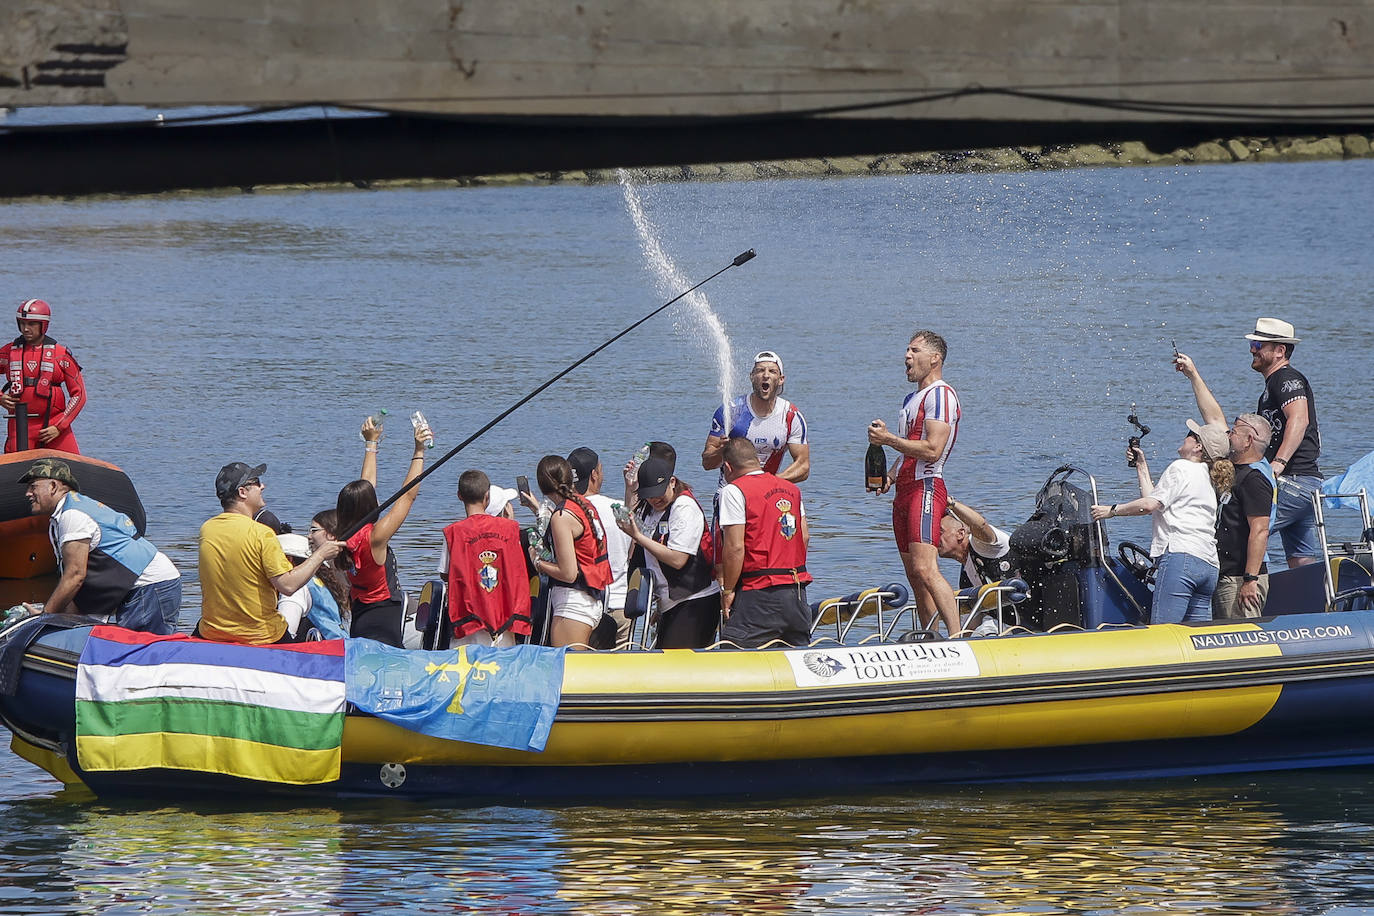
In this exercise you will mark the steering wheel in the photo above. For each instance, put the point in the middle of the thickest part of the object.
(1137, 559)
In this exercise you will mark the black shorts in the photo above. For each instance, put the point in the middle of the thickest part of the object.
(761, 615)
(690, 624)
(381, 621)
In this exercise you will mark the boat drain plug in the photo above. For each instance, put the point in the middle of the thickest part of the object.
(393, 774)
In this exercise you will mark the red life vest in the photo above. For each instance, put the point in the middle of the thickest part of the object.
(369, 583)
(593, 562)
(774, 551)
(36, 376)
(488, 588)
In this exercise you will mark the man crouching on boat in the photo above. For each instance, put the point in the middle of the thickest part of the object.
(107, 568)
(243, 567)
(763, 565)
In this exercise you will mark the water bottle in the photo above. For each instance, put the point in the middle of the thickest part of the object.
(417, 420)
(14, 615)
(376, 419)
(541, 527)
(875, 468)
(641, 455)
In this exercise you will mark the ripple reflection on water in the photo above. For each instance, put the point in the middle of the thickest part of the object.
(1276, 849)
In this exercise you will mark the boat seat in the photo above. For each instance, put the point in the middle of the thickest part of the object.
(994, 599)
(1297, 591)
(640, 592)
(431, 616)
(1354, 583)
(845, 612)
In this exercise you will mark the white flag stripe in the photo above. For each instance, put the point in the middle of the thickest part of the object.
(107, 683)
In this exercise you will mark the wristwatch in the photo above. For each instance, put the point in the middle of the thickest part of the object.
(1249, 578)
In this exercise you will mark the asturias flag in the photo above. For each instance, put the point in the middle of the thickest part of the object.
(501, 697)
(273, 713)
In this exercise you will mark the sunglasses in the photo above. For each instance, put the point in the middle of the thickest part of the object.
(1257, 345)
(314, 528)
(1238, 422)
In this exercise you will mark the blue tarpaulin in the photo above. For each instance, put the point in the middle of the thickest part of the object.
(501, 697)
(1360, 474)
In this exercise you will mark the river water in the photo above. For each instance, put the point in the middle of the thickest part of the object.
(263, 327)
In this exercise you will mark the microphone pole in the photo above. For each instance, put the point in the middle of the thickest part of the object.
(742, 258)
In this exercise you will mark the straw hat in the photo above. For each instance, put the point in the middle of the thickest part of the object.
(1271, 330)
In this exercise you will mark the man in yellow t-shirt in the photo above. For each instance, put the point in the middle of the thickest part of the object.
(242, 566)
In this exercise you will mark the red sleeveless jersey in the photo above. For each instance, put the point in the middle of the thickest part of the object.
(774, 552)
(368, 582)
(488, 586)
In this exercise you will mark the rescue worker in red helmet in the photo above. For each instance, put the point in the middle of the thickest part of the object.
(34, 369)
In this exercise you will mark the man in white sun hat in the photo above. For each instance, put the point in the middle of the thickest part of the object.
(1287, 403)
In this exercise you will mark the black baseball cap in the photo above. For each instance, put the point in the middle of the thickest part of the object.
(234, 475)
(654, 475)
(583, 461)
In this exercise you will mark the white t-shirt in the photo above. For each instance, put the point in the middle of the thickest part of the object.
(294, 607)
(75, 525)
(1187, 519)
(685, 526)
(1000, 547)
(618, 546)
(732, 504)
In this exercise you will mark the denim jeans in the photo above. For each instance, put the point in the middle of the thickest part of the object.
(1183, 589)
(1295, 523)
(152, 608)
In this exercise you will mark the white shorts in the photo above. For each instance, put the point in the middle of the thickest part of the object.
(575, 604)
(483, 638)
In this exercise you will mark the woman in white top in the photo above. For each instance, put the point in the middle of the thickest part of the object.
(1183, 509)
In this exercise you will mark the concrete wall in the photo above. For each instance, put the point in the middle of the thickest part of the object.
(677, 57)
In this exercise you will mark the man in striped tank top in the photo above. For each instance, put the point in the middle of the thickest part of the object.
(928, 427)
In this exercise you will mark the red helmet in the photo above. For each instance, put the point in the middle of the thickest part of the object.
(34, 310)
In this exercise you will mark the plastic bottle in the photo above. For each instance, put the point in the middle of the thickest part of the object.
(14, 615)
(541, 526)
(875, 468)
(418, 420)
(377, 419)
(641, 455)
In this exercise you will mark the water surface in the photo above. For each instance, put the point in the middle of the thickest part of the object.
(264, 327)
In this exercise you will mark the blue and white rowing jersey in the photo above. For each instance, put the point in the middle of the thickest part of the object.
(771, 435)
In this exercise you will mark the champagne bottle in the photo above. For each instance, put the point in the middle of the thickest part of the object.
(875, 468)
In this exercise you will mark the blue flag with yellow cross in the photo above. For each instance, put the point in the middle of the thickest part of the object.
(500, 697)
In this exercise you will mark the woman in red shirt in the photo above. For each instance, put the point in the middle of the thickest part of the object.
(375, 596)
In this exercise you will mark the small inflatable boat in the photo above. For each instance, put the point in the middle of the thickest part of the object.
(25, 551)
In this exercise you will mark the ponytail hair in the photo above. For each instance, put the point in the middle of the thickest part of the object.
(1223, 474)
(356, 501)
(555, 478)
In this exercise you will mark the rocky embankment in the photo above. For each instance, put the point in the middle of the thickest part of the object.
(1005, 159)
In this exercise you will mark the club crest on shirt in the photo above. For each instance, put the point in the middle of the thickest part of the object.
(786, 521)
(487, 576)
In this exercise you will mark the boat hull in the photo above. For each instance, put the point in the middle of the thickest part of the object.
(1283, 693)
(25, 551)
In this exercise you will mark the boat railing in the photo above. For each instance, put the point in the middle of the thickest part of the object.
(891, 606)
(844, 612)
(1359, 551)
